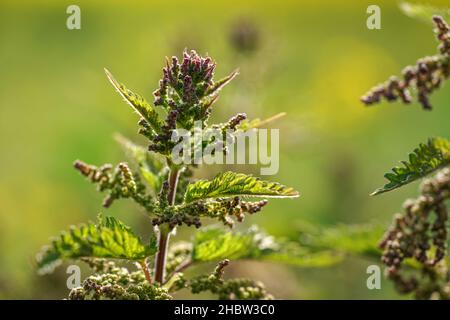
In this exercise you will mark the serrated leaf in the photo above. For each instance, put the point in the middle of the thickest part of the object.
(215, 244)
(423, 12)
(137, 102)
(425, 159)
(151, 165)
(229, 184)
(109, 238)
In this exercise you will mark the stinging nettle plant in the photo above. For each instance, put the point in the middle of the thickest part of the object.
(415, 247)
(171, 199)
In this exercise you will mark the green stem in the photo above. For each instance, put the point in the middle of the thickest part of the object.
(164, 231)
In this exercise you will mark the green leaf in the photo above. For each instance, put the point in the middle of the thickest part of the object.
(215, 244)
(423, 12)
(302, 257)
(359, 240)
(257, 123)
(425, 159)
(138, 103)
(151, 165)
(229, 184)
(218, 85)
(110, 238)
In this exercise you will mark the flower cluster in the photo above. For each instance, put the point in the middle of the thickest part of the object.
(425, 77)
(187, 92)
(227, 208)
(119, 183)
(223, 209)
(117, 283)
(240, 289)
(443, 34)
(419, 234)
(178, 254)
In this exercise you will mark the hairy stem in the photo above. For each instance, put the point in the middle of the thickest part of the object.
(164, 231)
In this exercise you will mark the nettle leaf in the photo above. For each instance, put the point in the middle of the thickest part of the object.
(425, 159)
(229, 184)
(109, 238)
(137, 102)
(213, 244)
(151, 165)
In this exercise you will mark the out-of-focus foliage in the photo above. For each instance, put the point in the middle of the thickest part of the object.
(423, 11)
(216, 244)
(357, 240)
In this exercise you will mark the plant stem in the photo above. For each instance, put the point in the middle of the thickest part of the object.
(173, 182)
(164, 231)
(181, 267)
(146, 271)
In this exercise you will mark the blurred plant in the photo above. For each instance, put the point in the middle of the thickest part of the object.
(244, 36)
(167, 195)
(425, 76)
(423, 11)
(343, 240)
(418, 237)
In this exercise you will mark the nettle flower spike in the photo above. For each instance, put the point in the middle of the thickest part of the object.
(240, 289)
(119, 183)
(187, 91)
(425, 77)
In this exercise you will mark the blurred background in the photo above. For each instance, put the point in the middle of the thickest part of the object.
(311, 59)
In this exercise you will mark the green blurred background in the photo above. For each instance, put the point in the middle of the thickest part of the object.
(312, 59)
